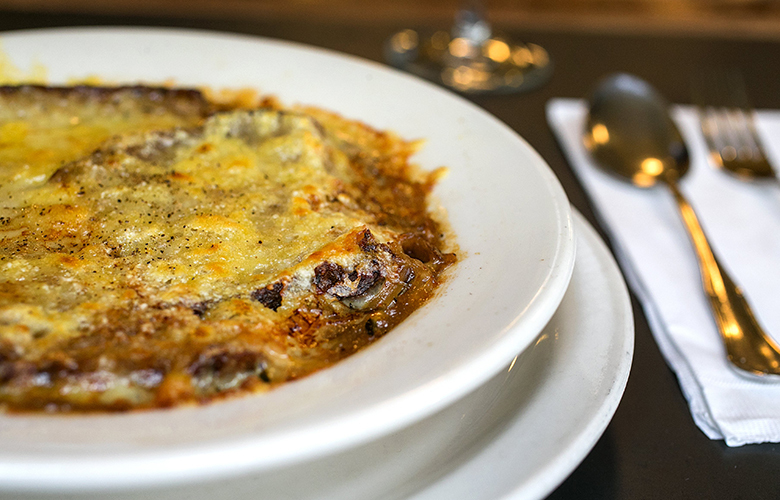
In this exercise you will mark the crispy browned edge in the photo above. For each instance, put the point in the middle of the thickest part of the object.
(103, 93)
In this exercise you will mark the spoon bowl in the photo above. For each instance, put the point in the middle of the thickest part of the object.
(630, 133)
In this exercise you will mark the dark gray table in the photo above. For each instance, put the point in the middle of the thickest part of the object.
(652, 449)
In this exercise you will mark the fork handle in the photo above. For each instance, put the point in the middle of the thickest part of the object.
(747, 346)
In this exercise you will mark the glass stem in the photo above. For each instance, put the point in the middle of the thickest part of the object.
(470, 23)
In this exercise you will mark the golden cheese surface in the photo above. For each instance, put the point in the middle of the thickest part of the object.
(188, 263)
(43, 127)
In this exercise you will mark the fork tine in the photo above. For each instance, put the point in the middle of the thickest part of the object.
(739, 135)
(732, 139)
(742, 113)
(708, 120)
(749, 148)
(727, 123)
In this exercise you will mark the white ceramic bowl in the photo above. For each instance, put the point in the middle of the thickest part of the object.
(510, 215)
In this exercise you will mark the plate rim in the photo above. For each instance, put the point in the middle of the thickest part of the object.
(555, 473)
(568, 456)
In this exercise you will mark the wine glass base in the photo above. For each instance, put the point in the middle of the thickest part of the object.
(494, 66)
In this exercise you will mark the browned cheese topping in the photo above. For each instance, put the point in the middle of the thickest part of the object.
(153, 253)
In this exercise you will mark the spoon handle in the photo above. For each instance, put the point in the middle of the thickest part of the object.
(747, 345)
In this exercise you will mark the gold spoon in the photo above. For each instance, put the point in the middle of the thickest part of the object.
(629, 132)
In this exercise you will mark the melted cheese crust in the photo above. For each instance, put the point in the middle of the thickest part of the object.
(43, 127)
(191, 263)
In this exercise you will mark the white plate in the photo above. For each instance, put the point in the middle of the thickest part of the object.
(510, 215)
(518, 436)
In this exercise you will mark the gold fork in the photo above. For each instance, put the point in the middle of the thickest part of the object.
(728, 124)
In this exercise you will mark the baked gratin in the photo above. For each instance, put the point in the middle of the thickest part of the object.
(157, 250)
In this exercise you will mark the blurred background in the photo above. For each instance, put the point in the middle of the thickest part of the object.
(756, 19)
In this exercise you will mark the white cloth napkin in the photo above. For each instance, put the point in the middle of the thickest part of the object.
(742, 221)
